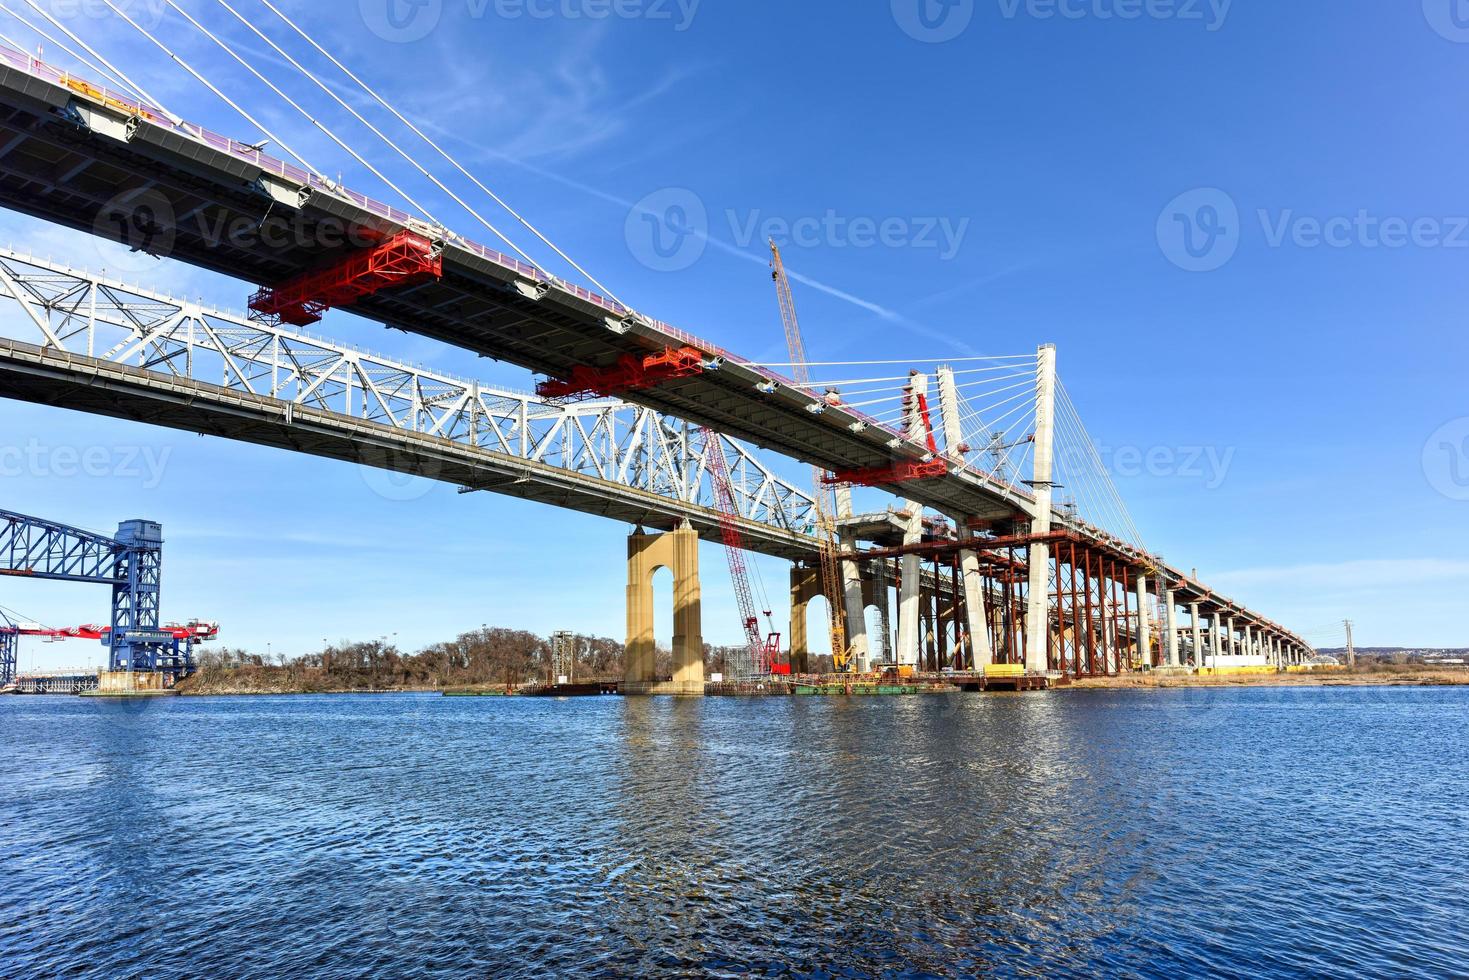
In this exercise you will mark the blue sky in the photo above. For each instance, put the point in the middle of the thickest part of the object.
(1242, 224)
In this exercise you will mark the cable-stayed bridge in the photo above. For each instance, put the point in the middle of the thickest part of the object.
(1035, 581)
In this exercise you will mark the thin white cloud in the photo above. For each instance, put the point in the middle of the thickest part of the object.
(1367, 573)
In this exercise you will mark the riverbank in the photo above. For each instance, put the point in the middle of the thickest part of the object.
(1393, 676)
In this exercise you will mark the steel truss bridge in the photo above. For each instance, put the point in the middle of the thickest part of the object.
(78, 155)
(110, 349)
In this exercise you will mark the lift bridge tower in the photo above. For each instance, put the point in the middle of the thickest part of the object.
(131, 563)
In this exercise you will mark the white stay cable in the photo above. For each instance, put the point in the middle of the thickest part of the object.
(413, 161)
(1110, 485)
(443, 153)
(91, 65)
(309, 117)
(138, 89)
(905, 362)
(207, 84)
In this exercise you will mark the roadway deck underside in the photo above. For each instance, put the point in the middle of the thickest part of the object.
(84, 175)
(48, 377)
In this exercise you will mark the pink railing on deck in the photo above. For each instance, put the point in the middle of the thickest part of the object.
(264, 161)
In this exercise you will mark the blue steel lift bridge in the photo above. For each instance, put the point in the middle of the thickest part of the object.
(131, 563)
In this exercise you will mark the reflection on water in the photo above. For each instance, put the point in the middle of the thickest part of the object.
(1160, 833)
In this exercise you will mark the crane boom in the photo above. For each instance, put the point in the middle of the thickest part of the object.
(763, 651)
(826, 532)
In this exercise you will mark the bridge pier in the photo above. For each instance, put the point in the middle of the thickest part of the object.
(1198, 637)
(1144, 626)
(854, 608)
(976, 625)
(805, 586)
(678, 551)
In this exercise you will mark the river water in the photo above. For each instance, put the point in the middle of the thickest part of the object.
(1237, 833)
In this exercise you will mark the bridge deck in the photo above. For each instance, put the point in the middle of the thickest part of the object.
(87, 176)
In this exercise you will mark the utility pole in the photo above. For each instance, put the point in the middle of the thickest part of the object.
(1351, 648)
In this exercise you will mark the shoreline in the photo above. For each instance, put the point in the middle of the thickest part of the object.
(1129, 682)
(1425, 677)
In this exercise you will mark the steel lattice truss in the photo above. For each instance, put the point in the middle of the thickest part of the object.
(612, 441)
(41, 549)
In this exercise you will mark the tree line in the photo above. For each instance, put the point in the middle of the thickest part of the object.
(485, 656)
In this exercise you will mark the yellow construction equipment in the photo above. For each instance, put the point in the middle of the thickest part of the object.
(826, 531)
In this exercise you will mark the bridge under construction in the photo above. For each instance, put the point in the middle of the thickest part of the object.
(636, 420)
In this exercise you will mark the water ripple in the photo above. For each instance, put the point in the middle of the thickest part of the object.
(1152, 834)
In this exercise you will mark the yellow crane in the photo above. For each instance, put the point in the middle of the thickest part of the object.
(826, 530)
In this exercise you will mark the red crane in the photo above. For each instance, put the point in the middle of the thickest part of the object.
(197, 630)
(764, 652)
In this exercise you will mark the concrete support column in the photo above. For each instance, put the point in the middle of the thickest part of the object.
(853, 607)
(910, 591)
(910, 594)
(800, 642)
(1144, 625)
(677, 551)
(1038, 595)
(1170, 603)
(976, 620)
(1193, 615)
(882, 651)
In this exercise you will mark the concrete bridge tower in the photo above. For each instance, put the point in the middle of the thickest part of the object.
(678, 551)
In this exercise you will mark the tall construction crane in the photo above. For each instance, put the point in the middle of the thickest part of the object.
(826, 531)
(764, 651)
